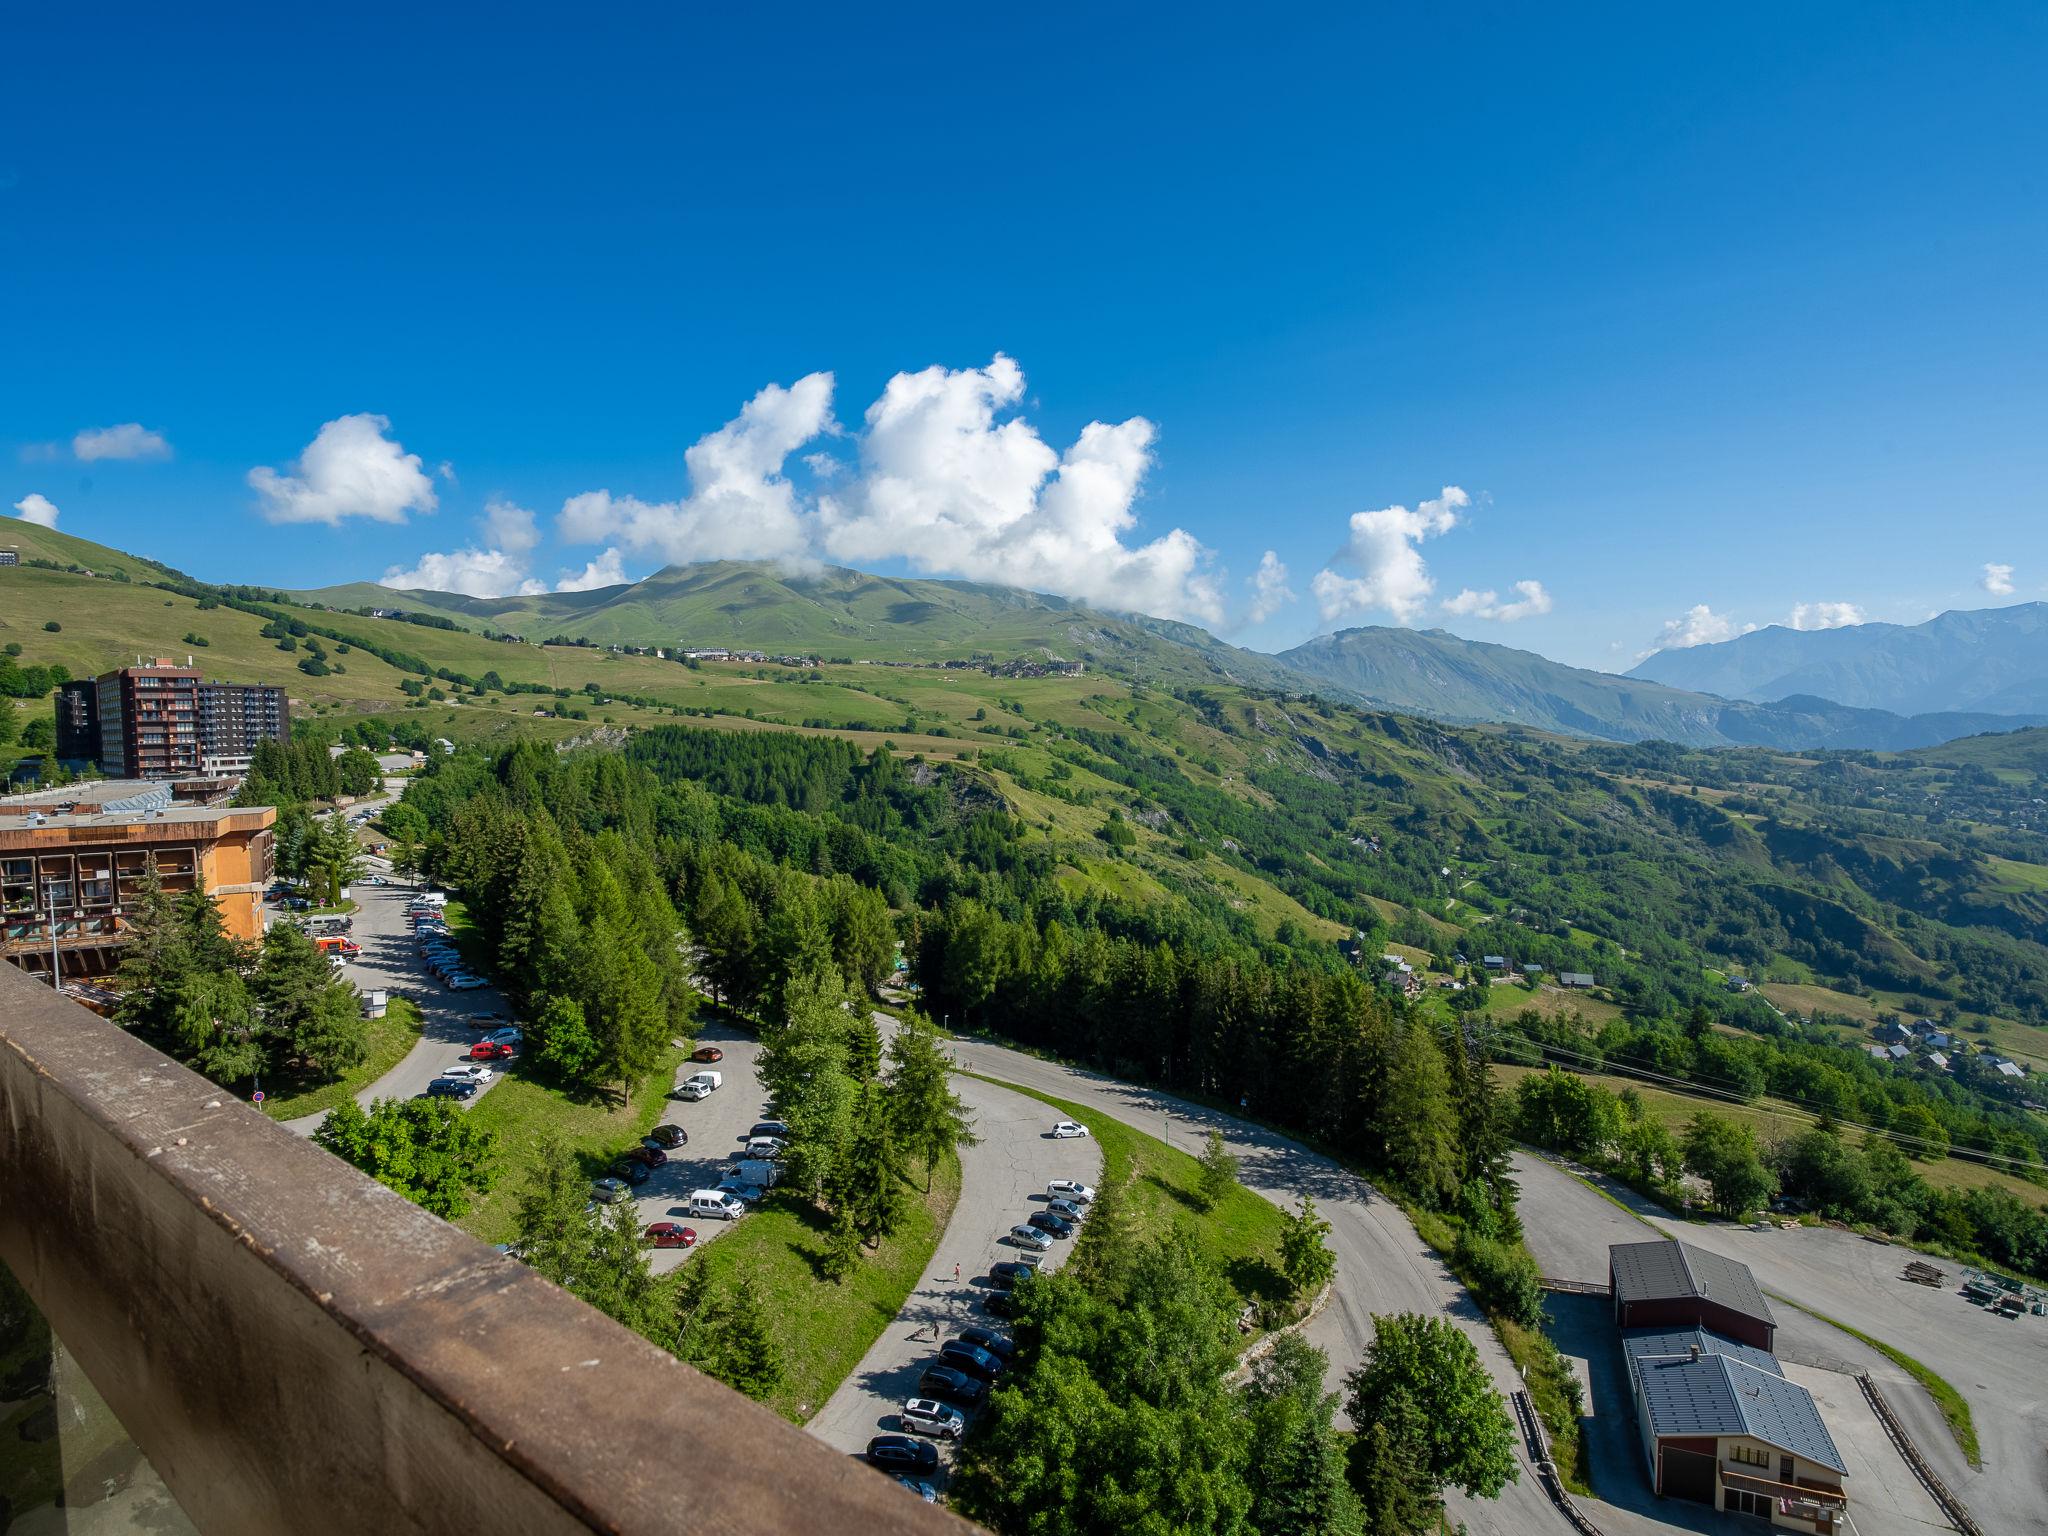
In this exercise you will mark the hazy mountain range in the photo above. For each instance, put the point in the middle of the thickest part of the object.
(1993, 660)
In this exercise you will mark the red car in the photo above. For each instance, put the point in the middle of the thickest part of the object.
(707, 1053)
(670, 1234)
(490, 1050)
(653, 1157)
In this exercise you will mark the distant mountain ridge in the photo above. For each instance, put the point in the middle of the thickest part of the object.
(1990, 660)
(832, 611)
(1433, 672)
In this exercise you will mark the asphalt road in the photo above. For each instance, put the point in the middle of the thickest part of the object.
(1002, 1180)
(1382, 1265)
(2000, 1366)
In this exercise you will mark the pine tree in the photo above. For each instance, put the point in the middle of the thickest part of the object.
(1305, 1257)
(842, 1246)
(156, 956)
(871, 1182)
(1420, 1127)
(930, 1119)
(311, 1011)
(744, 1355)
(1217, 1175)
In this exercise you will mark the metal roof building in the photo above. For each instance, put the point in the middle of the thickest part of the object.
(1672, 1284)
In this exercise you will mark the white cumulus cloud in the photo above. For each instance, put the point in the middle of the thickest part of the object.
(1698, 625)
(607, 570)
(350, 469)
(1384, 561)
(494, 567)
(38, 509)
(952, 483)
(1270, 592)
(1531, 600)
(130, 440)
(740, 505)
(1825, 615)
(947, 479)
(1997, 579)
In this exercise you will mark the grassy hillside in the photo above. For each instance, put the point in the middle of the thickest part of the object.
(836, 612)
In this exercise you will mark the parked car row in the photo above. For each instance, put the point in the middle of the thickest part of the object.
(966, 1368)
(970, 1364)
(467, 1077)
(437, 948)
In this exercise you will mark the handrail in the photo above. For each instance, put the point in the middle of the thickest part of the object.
(297, 1348)
(1951, 1506)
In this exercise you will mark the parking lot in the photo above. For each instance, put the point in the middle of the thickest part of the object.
(1003, 1179)
(717, 1128)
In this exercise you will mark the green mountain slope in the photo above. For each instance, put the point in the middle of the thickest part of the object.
(1436, 673)
(834, 611)
(34, 542)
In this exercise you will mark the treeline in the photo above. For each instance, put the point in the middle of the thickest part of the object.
(1873, 1184)
(577, 922)
(302, 769)
(1316, 1052)
(28, 682)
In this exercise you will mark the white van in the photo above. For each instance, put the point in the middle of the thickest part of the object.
(700, 1086)
(711, 1202)
(757, 1170)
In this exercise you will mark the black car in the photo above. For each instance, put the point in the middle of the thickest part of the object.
(1001, 1304)
(451, 1088)
(903, 1453)
(1003, 1276)
(632, 1172)
(942, 1381)
(669, 1137)
(994, 1343)
(1045, 1221)
(975, 1362)
(779, 1129)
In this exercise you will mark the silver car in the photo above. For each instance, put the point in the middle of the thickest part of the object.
(929, 1416)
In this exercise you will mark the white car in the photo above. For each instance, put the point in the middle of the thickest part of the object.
(475, 1072)
(1070, 1189)
(1067, 1130)
(463, 983)
(929, 1416)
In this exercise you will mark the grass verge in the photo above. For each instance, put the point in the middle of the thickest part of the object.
(824, 1327)
(390, 1038)
(523, 1111)
(1240, 1233)
(1954, 1410)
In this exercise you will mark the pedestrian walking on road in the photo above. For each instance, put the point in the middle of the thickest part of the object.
(956, 1274)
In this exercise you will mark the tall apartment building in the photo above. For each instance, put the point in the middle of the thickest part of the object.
(149, 722)
(233, 717)
(162, 721)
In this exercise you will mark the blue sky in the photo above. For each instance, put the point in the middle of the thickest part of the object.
(1705, 316)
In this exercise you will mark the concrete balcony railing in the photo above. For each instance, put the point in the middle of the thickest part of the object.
(296, 1348)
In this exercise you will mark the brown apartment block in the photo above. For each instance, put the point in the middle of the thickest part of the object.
(149, 722)
(72, 863)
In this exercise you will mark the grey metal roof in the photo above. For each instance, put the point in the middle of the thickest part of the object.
(1720, 1395)
(1651, 1271)
(1644, 1345)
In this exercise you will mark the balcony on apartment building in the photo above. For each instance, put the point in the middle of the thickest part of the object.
(233, 1332)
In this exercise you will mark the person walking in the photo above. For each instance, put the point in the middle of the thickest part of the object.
(956, 1274)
